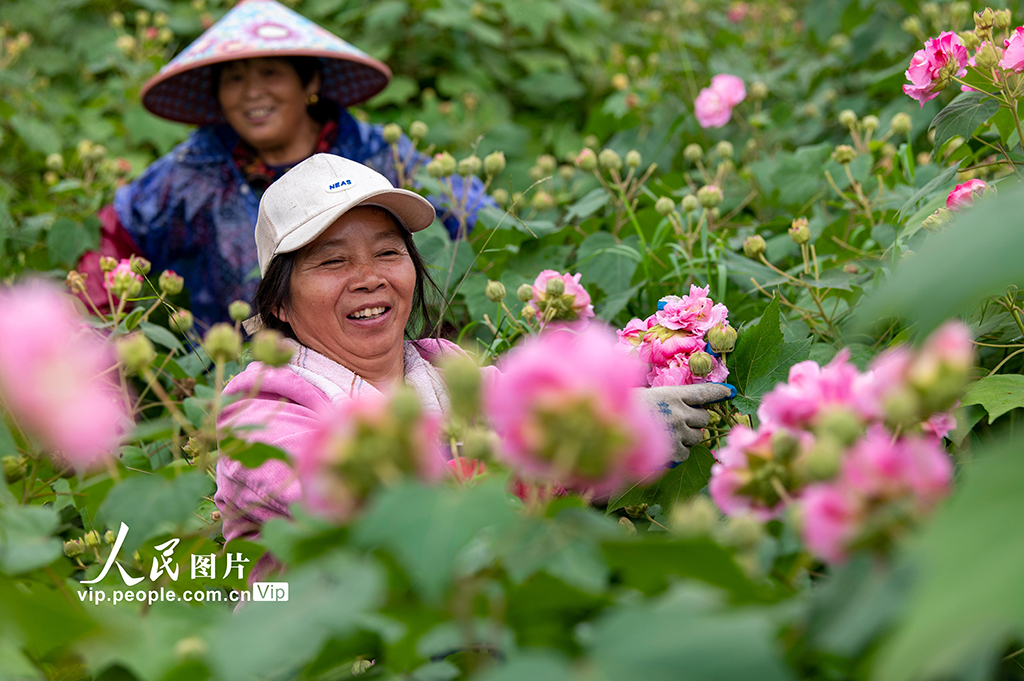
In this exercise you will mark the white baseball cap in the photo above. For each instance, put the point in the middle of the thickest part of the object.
(306, 200)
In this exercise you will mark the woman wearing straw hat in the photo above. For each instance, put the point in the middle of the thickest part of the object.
(268, 88)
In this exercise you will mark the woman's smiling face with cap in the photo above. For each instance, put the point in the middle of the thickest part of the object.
(351, 294)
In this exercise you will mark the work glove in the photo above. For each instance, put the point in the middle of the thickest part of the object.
(681, 408)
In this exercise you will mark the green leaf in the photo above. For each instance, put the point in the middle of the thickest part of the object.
(998, 394)
(566, 547)
(161, 336)
(789, 354)
(757, 348)
(150, 504)
(67, 240)
(26, 540)
(688, 628)
(588, 205)
(142, 127)
(427, 528)
(922, 288)
(677, 484)
(604, 261)
(535, 665)
(962, 116)
(251, 454)
(36, 133)
(968, 597)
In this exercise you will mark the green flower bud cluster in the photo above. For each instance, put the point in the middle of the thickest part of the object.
(271, 348)
(800, 233)
(222, 343)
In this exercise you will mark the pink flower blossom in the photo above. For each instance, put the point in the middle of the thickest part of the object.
(939, 425)
(581, 303)
(730, 87)
(344, 464)
(695, 313)
(963, 195)
(631, 336)
(711, 109)
(932, 69)
(831, 520)
(880, 468)
(812, 389)
(57, 377)
(1013, 57)
(737, 12)
(660, 345)
(734, 486)
(563, 420)
(677, 372)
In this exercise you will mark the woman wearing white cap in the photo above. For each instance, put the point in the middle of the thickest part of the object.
(341, 280)
(268, 88)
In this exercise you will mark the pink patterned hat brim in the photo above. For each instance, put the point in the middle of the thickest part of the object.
(184, 91)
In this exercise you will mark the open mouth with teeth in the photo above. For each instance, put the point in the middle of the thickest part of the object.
(369, 313)
(261, 112)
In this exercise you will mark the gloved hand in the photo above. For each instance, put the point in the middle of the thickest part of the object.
(681, 408)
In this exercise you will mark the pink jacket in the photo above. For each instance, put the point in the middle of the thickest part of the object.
(287, 407)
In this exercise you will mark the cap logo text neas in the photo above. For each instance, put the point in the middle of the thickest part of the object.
(339, 185)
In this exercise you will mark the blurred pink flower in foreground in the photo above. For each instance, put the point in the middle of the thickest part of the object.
(57, 376)
(713, 106)
(932, 69)
(566, 412)
(364, 443)
(1013, 57)
(963, 195)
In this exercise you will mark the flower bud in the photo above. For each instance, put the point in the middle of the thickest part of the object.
(182, 321)
(405, 405)
(1003, 19)
(107, 263)
(664, 205)
(116, 19)
(418, 130)
(800, 233)
(470, 166)
(392, 133)
(844, 154)
(76, 282)
(547, 163)
(758, 90)
(542, 200)
(724, 149)
(126, 43)
(109, 537)
(633, 158)
(847, 118)
(495, 291)
(239, 311)
(140, 265)
(754, 246)
(92, 538)
(270, 347)
(620, 81)
(51, 178)
(722, 337)
(742, 532)
(937, 220)
(55, 161)
(190, 648)
(701, 363)
(74, 547)
(586, 160)
(442, 165)
(214, 516)
(142, 17)
(525, 293)
(823, 460)
(689, 203)
(555, 287)
(171, 284)
(970, 40)
(361, 666)
(839, 41)
(222, 343)
(14, 468)
(709, 196)
(693, 153)
(987, 56)
(610, 159)
(696, 518)
(537, 173)
(462, 376)
(869, 123)
(566, 172)
(500, 195)
(984, 20)
(135, 352)
(494, 163)
(900, 123)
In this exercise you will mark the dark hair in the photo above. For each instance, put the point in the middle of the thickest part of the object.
(274, 289)
(305, 68)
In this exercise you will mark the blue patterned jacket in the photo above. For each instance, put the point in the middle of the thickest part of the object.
(192, 211)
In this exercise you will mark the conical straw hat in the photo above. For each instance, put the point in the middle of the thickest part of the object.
(184, 91)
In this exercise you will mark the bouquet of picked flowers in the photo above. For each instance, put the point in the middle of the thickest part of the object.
(684, 342)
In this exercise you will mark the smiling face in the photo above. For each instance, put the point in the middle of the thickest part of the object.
(351, 293)
(264, 100)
